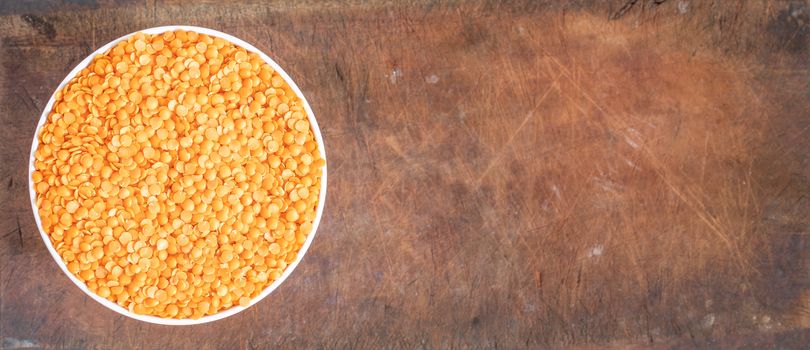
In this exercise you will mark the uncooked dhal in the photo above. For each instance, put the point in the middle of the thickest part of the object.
(177, 175)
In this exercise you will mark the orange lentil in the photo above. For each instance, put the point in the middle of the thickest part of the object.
(194, 190)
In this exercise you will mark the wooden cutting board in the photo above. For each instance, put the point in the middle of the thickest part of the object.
(510, 175)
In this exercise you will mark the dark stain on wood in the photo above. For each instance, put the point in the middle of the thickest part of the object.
(41, 25)
(623, 10)
(789, 28)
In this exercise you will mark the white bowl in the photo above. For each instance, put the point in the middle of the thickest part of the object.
(225, 313)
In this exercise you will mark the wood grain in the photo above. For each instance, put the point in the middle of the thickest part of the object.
(518, 175)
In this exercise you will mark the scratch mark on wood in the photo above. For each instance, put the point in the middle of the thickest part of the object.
(29, 99)
(705, 159)
(623, 10)
(517, 131)
(711, 223)
(93, 35)
(19, 230)
(339, 73)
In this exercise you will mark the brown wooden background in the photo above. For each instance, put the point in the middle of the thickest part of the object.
(514, 174)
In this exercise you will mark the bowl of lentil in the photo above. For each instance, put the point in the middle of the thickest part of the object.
(177, 175)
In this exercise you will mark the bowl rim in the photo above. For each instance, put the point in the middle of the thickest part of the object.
(235, 309)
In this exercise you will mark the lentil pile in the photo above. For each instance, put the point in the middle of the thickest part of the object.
(177, 175)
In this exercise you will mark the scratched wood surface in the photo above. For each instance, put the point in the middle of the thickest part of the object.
(514, 175)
